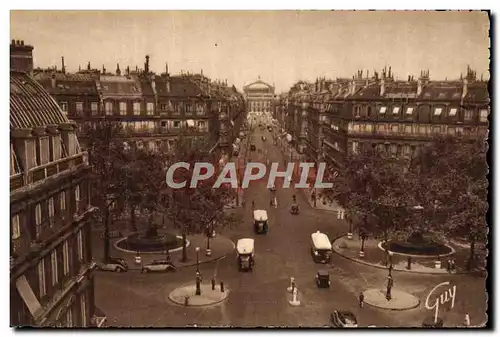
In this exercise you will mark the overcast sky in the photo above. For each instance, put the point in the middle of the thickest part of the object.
(279, 46)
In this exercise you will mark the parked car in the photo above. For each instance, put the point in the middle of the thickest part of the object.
(264, 138)
(252, 147)
(158, 266)
(343, 319)
(113, 264)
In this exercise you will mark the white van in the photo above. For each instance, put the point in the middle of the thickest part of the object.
(260, 221)
(321, 247)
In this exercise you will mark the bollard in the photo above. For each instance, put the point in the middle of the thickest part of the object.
(186, 300)
(213, 284)
(221, 286)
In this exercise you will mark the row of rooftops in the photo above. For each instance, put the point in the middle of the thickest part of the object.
(133, 84)
(467, 89)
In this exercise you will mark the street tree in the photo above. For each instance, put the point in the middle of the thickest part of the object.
(193, 209)
(453, 172)
(107, 159)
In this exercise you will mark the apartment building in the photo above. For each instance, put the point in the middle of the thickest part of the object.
(51, 268)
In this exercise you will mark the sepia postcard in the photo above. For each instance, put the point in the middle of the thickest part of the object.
(208, 169)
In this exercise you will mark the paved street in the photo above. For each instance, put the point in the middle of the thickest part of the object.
(259, 298)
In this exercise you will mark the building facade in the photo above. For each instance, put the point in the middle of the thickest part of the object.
(345, 115)
(51, 271)
(154, 110)
(259, 96)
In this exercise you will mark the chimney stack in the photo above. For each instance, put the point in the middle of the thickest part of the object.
(53, 81)
(88, 66)
(146, 65)
(382, 85)
(127, 71)
(63, 67)
(21, 56)
(118, 71)
(464, 88)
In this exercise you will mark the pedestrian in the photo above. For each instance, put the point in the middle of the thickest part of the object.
(361, 299)
(453, 266)
(467, 320)
(253, 204)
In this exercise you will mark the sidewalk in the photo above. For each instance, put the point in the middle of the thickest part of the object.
(221, 247)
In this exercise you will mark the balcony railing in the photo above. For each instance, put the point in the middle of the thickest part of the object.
(165, 131)
(42, 172)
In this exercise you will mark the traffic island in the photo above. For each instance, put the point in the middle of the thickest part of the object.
(400, 300)
(374, 256)
(186, 295)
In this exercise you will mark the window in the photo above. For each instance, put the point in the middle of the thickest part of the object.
(451, 130)
(422, 129)
(123, 108)
(38, 219)
(41, 278)
(42, 150)
(201, 124)
(356, 127)
(51, 207)
(453, 112)
(395, 128)
(381, 127)
(62, 198)
(64, 107)
(467, 115)
(408, 129)
(409, 111)
(150, 108)
(163, 107)
(79, 242)
(79, 108)
(393, 148)
(65, 258)
(177, 124)
(83, 309)
(163, 124)
(382, 109)
(406, 150)
(94, 108)
(395, 110)
(137, 108)
(357, 110)
(483, 115)
(437, 111)
(16, 227)
(53, 263)
(108, 108)
(436, 129)
(77, 193)
(355, 147)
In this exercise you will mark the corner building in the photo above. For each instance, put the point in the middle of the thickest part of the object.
(51, 268)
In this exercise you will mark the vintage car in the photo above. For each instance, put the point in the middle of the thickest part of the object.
(264, 138)
(429, 322)
(323, 279)
(260, 221)
(295, 208)
(158, 266)
(113, 264)
(321, 247)
(343, 319)
(246, 254)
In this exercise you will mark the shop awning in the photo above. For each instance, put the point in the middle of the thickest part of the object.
(190, 123)
(27, 295)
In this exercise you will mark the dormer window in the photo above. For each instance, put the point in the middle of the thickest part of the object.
(395, 110)
(409, 111)
(383, 109)
(79, 108)
(437, 111)
(64, 107)
(453, 112)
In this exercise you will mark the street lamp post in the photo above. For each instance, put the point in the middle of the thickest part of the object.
(198, 276)
(209, 235)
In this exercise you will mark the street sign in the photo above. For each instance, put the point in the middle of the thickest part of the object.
(434, 302)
